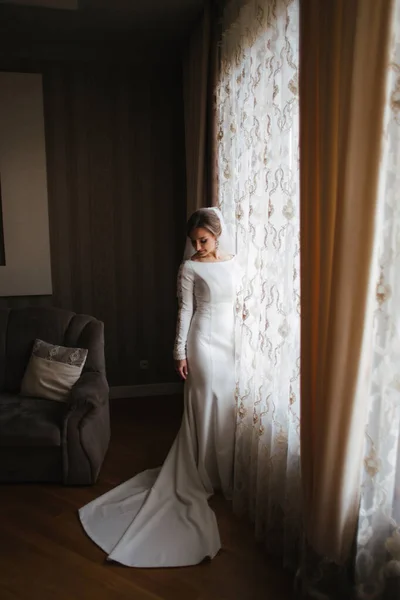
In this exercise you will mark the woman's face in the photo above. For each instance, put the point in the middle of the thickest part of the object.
(203, 242)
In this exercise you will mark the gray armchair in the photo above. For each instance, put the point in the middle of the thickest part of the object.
(45, 440)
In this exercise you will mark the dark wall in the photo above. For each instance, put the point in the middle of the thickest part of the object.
(116, 185)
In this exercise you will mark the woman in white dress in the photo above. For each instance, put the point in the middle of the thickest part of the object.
(161, 517)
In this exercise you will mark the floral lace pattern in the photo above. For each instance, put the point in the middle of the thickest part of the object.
(258, 129)
(185, 297)
(378, 540)
(69, 356)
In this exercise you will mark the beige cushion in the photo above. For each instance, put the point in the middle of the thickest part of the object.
(52, 371)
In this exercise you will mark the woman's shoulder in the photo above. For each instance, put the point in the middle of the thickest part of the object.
(186, 263)
(185, 268)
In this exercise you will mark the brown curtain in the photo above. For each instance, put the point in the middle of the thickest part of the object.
(343, 58)
(199, 80)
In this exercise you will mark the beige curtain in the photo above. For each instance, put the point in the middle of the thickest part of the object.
(199, 73)
(343, 58)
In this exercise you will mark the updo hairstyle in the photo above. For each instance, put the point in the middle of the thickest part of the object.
(204, 219)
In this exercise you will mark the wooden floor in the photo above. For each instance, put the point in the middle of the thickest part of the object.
(44, 553)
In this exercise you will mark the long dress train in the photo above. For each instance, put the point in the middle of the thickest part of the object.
(161, 517)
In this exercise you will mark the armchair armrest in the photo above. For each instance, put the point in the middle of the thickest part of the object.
(90, 391)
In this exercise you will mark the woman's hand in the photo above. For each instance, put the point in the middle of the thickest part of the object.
(181, 367)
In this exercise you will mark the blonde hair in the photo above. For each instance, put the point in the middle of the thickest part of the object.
(205, 219)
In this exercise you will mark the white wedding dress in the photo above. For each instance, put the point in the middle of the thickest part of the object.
(161, 517)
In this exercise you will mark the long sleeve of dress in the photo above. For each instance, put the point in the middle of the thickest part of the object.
(185, 309)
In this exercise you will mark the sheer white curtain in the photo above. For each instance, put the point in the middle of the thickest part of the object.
(378, 543)
(258, 138)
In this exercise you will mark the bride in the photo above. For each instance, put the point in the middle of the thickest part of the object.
(161, 517)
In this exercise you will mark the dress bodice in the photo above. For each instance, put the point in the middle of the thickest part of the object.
(202, 287)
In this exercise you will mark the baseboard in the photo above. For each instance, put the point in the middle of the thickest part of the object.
(141, 391)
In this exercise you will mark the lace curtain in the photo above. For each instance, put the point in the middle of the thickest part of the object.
(258, 139)
(378, 543)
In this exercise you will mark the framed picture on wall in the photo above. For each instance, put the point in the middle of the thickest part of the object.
(24, 235)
